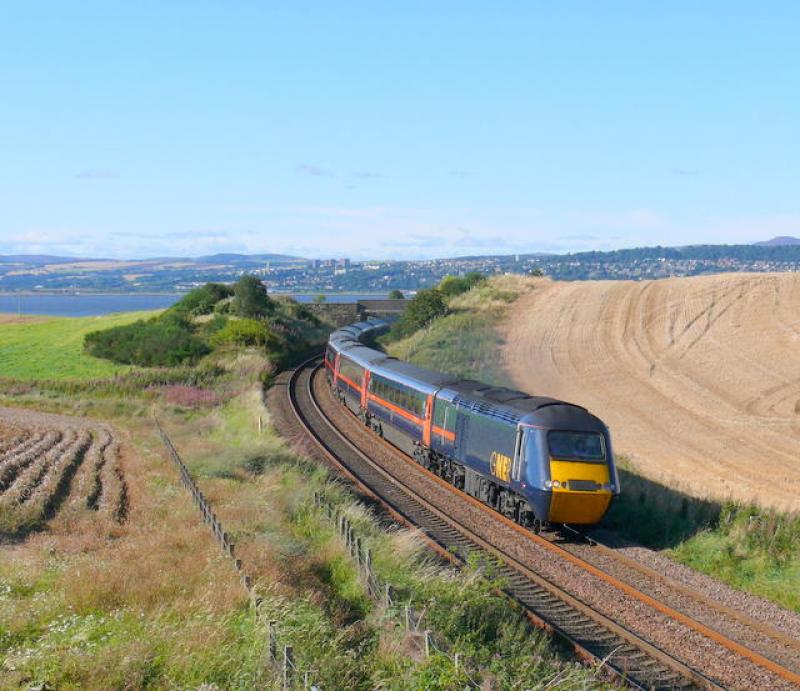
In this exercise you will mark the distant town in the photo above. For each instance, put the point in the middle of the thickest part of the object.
(285, 274)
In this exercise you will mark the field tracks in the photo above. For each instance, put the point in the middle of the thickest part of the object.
(55, 466)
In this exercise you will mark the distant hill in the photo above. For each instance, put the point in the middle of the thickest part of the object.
(41, 259)
(779, 241)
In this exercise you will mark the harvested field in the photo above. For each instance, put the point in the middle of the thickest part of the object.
(698, 378)
(51, 462)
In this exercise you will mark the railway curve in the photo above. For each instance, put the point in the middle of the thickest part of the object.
(643, 661)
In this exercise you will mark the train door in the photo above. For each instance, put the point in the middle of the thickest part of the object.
(517, 467)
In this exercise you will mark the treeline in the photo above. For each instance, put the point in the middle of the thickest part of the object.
(212, 317)
(748, 253)
(432, 303)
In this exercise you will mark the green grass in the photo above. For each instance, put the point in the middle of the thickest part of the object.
(53, 348)
(465, 342)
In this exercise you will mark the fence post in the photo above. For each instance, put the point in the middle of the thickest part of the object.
(357, 551)
(367, 560)
(455, 660)
(272, 639)
(288, 665)
(427, 643)
(407, 612)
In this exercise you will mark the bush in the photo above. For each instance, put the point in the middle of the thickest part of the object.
(165, 341)
(241, 332)
(396, 295)
(450, 286)
(250, 298)
(428, 305)
(202, 300)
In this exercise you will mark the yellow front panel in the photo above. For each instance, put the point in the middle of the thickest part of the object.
(584, 508)
(573, 470)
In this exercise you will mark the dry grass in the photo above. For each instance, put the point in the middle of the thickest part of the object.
(153, 587)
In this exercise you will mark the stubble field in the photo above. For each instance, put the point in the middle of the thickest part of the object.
(698, 378)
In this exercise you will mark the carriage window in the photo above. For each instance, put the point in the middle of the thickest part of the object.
(576, 446)
(351, 370)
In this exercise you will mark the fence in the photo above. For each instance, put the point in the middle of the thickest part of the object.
(281, 658)
(380, 590)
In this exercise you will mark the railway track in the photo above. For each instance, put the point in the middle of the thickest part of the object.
(594, 635)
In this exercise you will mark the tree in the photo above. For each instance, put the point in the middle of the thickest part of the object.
(429, 304)
(396, 295)
(203, 300)
(319, 299)
(537, 272)
(250, 298)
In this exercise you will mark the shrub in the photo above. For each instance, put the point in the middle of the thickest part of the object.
(165, 341)
(241, 332)
(202, 300)
(428, 305)
(450, 286)
(396, 295)
(250, 298)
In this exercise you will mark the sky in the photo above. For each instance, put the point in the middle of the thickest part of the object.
(395, 129)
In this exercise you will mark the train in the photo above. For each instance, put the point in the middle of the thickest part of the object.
(539, 461)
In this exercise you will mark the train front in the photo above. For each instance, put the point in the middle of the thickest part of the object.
(569, 464)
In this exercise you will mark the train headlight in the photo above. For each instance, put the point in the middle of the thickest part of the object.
(548, 484)
(553, 483)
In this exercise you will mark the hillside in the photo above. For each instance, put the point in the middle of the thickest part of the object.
(698, 378)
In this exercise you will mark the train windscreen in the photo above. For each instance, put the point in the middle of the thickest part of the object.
(577, 446)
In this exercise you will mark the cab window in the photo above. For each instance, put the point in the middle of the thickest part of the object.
(576, 446)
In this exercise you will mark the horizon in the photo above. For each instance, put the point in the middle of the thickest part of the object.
(432, 132)
(791, 240)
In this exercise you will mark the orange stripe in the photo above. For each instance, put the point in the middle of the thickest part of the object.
(451, 436)
(396, 409)
(350, 381)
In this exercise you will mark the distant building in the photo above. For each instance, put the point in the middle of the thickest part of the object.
(314, 263)
(343, 263)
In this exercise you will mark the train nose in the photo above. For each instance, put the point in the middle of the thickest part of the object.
(580, 492)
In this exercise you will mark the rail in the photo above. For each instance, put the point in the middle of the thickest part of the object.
(593, 636)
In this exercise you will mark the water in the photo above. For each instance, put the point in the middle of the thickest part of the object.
(94, 305)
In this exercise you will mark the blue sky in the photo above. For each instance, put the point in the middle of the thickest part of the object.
(397, 130)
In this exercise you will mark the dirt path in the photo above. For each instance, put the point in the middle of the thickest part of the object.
(698, 378)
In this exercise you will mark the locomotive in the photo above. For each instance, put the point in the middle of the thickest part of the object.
(537, 460)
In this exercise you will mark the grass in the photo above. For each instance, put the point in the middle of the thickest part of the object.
(470, 332)
(262, 492)
(749, 547)
(53, 348)
(157, 598)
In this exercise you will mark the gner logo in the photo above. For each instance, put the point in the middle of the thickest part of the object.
(500, 466)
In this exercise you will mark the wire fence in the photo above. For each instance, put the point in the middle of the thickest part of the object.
(396, 604)
(280, 654)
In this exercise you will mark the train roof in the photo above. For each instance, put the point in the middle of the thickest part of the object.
(363, 355)
(497, 401)
(401, 370)
(514, 406)
(354, 334)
